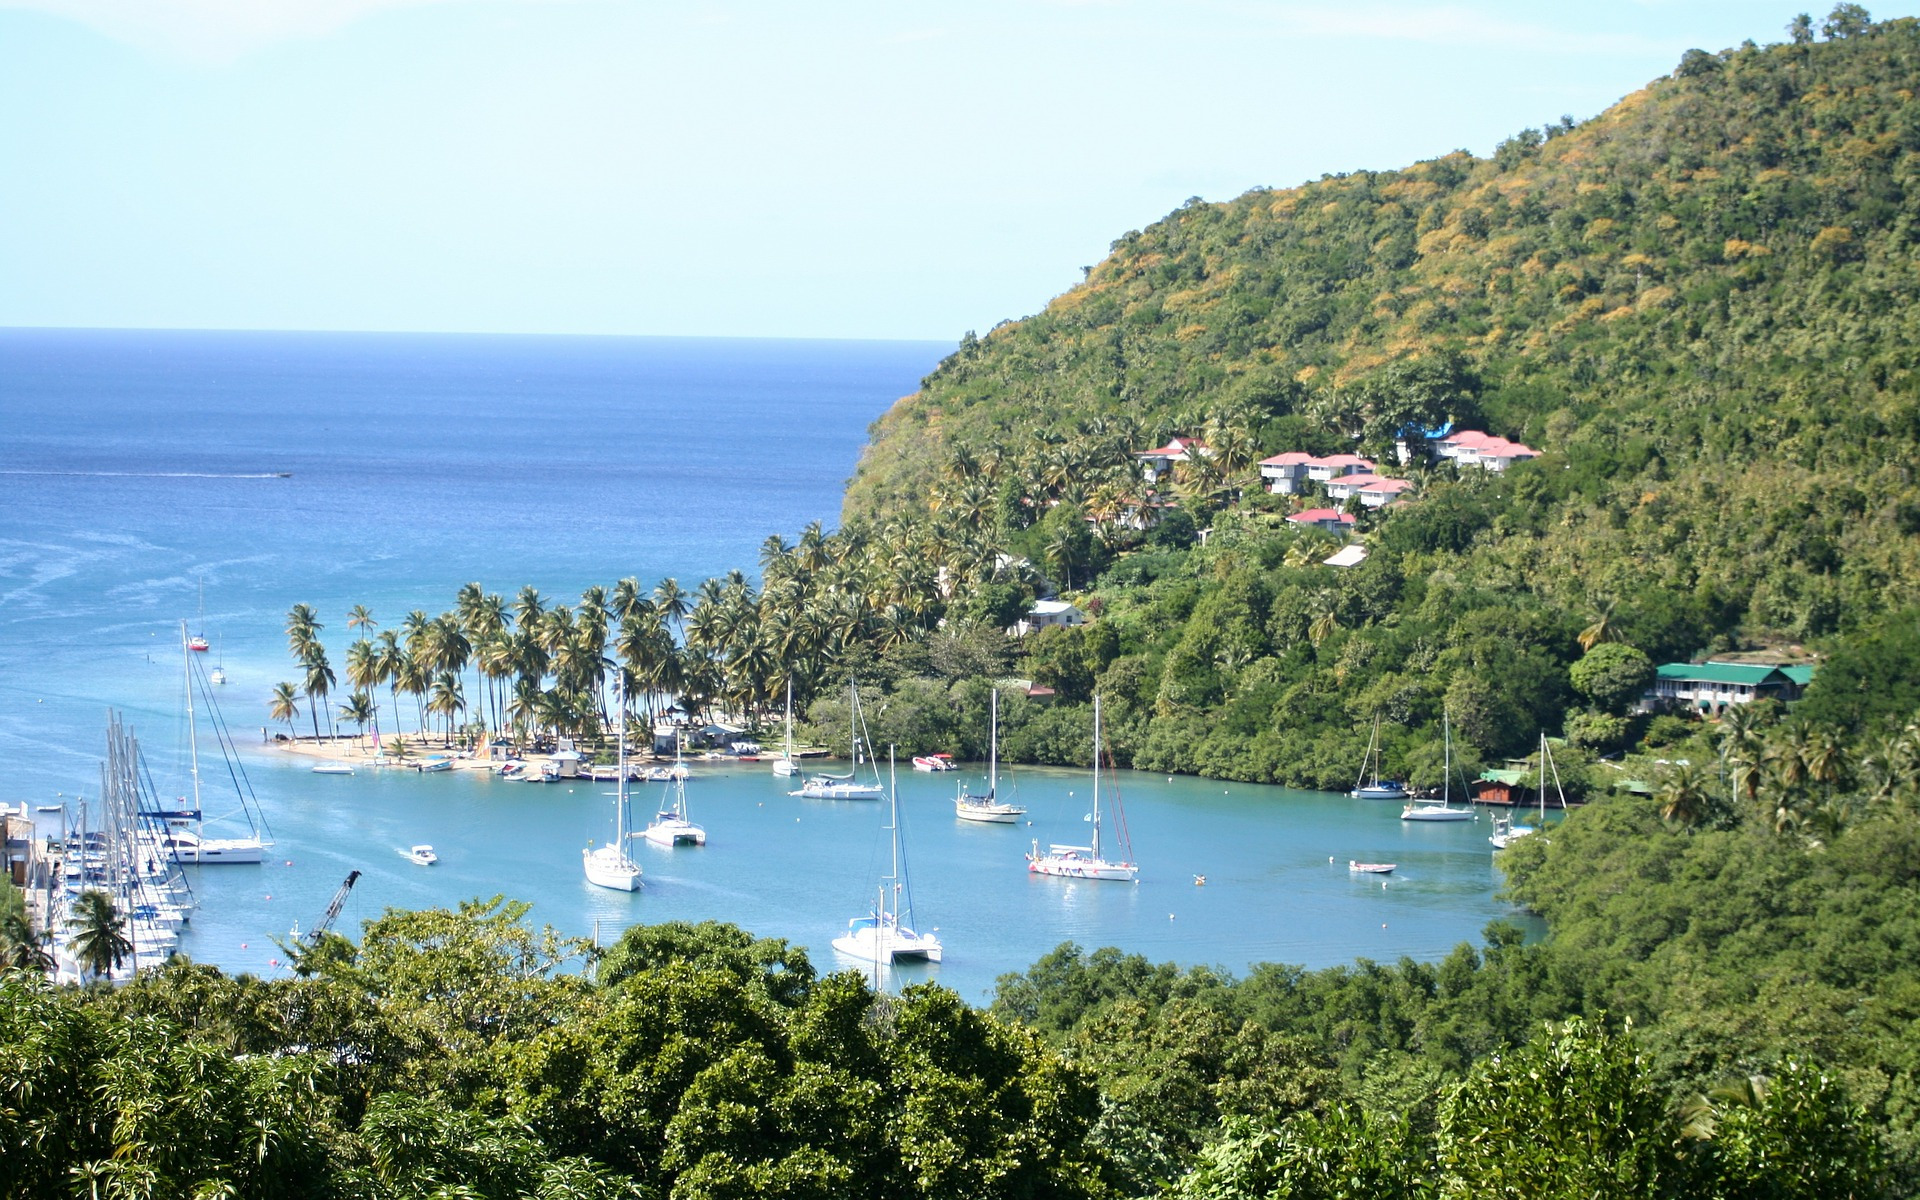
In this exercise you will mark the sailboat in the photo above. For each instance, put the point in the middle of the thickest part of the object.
(1427, 810)
(785, 764)
(844, 787)
(609, 865)
(670, 826)
(198, 642)
(1505, 832)
(1375, 788)
(219, 673)
(886, 935)
(1086, 862)
(969, 807)
(185, 835)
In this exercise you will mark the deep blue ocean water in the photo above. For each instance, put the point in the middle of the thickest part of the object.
(140, 471)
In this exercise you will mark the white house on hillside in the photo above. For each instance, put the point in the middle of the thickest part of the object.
(1047, 613)
(1159, 461)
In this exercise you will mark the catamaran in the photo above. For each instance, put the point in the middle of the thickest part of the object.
(1427, 810)
(989, 808)
(670, 826)
(609, 865)
(886, 935)
(1086, 862)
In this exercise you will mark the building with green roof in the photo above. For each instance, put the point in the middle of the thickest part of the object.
(1710, 687)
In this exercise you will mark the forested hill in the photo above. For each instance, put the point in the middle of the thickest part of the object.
(1700, 304)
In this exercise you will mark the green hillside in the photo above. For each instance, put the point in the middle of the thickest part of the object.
(1699, 305)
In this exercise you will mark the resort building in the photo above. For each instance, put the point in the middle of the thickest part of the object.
(1046, 614)
(1160, 460)
(1373, 490)
(1286, 474)
(1473, 448)
(1320, 470)
(1710, 688)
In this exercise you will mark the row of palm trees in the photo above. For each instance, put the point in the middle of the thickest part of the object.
(1797, 778)
(529, 666)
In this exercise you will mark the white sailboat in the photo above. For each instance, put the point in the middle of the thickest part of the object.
(785, 764)
(198, 642)
(1427, 810)
(1505, 832)
(670, 826)
(844, 787)
(989, 808)
(185, 835)
(609, 865)
(1375, 788)
(886, 935)
(1087, 862)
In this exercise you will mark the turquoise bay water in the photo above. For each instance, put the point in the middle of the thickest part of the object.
(136, 468)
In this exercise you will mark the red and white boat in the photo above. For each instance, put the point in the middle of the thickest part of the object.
(198, 642)
(934, 762)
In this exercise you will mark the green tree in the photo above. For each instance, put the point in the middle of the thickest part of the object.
(1613, 675)
(99, 942)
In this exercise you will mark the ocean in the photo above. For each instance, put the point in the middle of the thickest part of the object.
(151, 478)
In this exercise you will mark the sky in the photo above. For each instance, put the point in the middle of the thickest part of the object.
(898, 169)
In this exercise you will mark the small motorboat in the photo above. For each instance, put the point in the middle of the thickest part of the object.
(1370, 868)
(198, 643)
(422, 855)
(434, 762)
(333, 768)
(934, 762)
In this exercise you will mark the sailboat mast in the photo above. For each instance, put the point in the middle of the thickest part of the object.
(1096, 776)
(193, 734)
(993, 748)
(789, 718)
(620, 788)
(1446, 760)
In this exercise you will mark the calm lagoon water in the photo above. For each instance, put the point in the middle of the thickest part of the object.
(138, 470)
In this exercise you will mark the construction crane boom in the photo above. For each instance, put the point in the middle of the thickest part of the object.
(334, 906)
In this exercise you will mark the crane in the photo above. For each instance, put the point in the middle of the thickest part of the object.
(339, 900)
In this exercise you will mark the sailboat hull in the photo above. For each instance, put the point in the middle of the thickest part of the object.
(1436, 813)
(785, 766)
(1067, 863)
(672, 831)
(989, 811)
(609, 867)
(871, 939)
(1379, 791)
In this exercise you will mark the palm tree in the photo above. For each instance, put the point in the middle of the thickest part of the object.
(358, 709)
(22, 947)
(1684, 796)
(302, 624)
(319, 679)
(447, 700)
(285, 705)
(99, 942)
(361, 617)
(1602, 628)
(670, 600)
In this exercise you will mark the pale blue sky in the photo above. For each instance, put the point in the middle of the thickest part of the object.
(830, 169)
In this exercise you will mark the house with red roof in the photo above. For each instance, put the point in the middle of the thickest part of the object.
(1331, 520)
(1320, 470)
(1374, 490)
(1161, 459)
(1475, 448)
(1286, 474)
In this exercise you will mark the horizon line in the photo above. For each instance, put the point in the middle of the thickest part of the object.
(469, 333)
